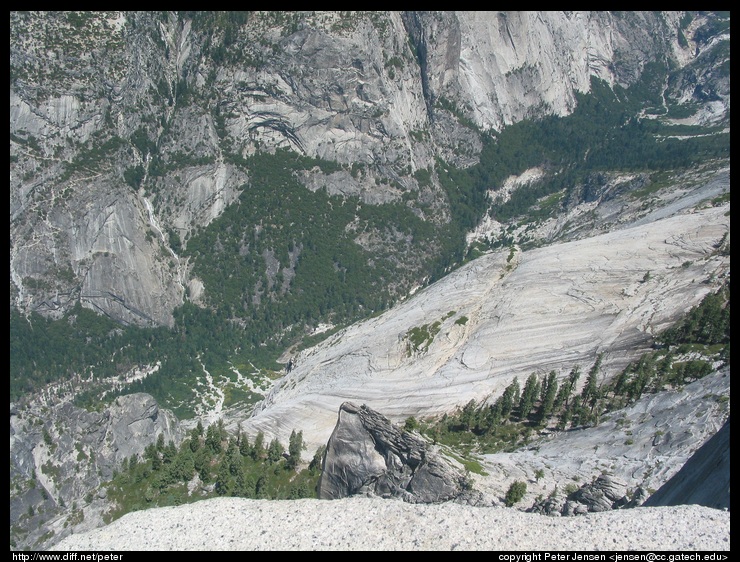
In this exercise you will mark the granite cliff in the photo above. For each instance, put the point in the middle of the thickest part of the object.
(129, 130)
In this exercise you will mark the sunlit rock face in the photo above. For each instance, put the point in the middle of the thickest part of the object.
(70, 452)
(124, 125)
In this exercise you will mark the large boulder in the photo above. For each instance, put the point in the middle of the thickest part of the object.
(367, 455)
(603, 494)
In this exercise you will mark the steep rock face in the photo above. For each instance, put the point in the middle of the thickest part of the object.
(366, 454)
(60, 455)
(505, 65)
(129, 129)
(704, 479)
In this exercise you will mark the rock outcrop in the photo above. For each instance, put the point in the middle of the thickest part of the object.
(61, 454)
(639, 448)
(368, 455)
(602, 494)
(546, 309)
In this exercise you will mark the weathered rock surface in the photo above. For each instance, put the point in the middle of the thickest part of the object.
(642, 446)
(61, 454)
(602, 494)
(704, 479)
(367, 455)
(80, 233)
(502, 317)
(374, 524)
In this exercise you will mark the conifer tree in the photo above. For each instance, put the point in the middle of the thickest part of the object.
(295, 446)
(224, 481)
(258, 449)
(275, 451)
(244, 448)
(528, 397)
(550, 391)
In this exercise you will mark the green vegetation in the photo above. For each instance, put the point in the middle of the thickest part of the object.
(213, 463)
(320, 270)
(420, 338)
(92, 156)
(706, 324)
(283, 258)
(275, 264)
(515, 493)
(598, 136)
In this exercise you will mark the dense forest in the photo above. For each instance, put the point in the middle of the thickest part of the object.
(225, 465)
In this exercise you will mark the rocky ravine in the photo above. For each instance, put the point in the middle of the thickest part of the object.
(61, 455)
(539, 310)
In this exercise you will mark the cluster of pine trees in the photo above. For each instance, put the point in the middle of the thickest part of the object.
(213, 463)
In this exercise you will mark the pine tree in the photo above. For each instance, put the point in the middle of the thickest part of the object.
(550, 391)
(295, 446)
(564, 418)
(275, 451)
(224, 481)
(213, 439)
(569, 385)
(508, 399)
(183, 467)
(467, 415)
(493, 416)
(590, 393)
(156, 462)
(244, 485)
(244, 448)
(317, 460)
(233, 458)
(194, 443)
(169, 453)
(258, 449)
(515, 493)
(202, 462)
(260, 487)
(529, 395)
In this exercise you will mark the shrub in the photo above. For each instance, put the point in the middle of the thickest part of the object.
(515, 493)
(411, 424)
